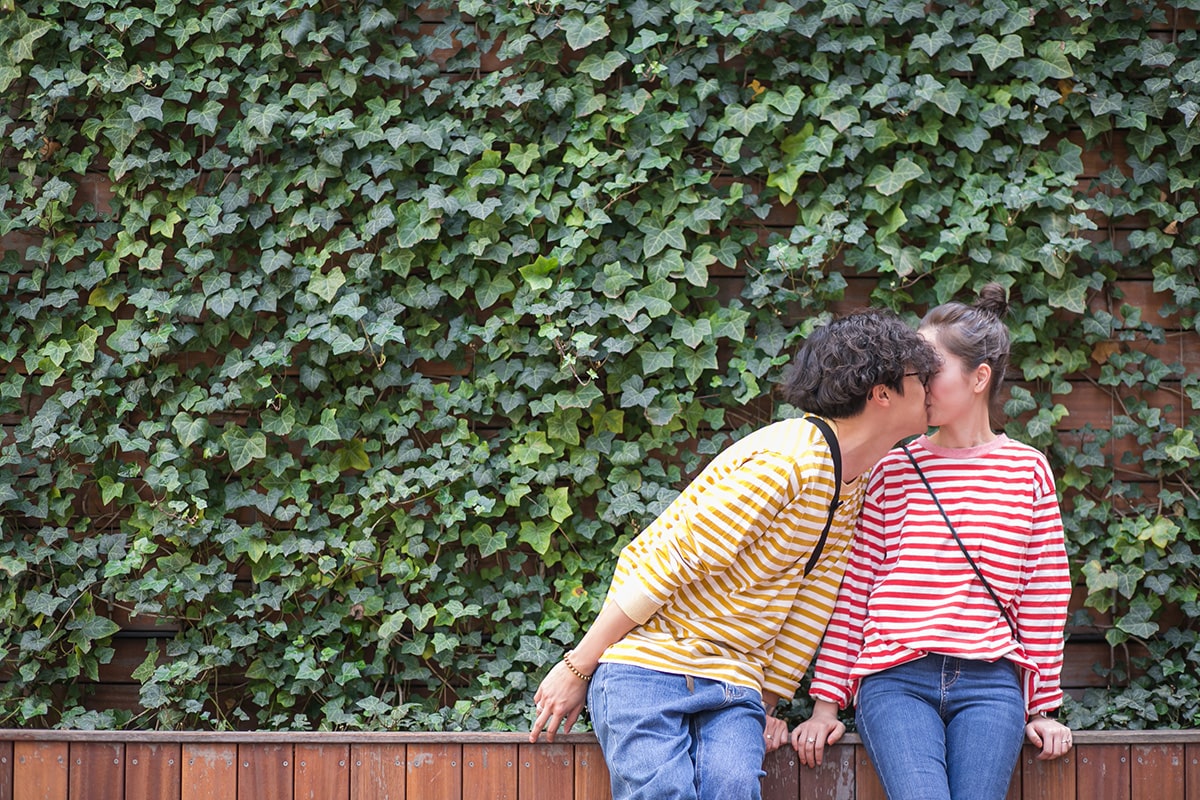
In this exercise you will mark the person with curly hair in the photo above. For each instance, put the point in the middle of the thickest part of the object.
(715, 610)
(948, 630)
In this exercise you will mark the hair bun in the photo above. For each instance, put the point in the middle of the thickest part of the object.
(993, 299)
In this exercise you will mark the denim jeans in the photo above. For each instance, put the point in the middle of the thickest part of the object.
(670, 737)
(943, 728)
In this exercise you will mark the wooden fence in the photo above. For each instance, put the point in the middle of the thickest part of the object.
(115, 765)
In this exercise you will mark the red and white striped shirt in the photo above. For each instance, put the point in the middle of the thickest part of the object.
(909, 591)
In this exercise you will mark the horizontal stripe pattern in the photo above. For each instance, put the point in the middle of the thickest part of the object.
(909, 590)
(717, 581)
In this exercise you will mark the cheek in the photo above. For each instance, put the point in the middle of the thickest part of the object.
(941, 389)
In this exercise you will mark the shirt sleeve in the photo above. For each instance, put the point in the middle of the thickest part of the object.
(1041, 606)
(844, 637)
(725, 508)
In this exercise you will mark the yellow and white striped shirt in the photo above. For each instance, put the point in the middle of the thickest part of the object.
(717, 581)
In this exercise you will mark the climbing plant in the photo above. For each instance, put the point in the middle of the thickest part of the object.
(345, 343)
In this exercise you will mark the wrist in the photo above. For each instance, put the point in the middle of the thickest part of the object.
(573, 669)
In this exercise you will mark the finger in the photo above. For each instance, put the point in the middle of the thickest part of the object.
(812, 750)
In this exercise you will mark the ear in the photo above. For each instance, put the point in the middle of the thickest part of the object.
(983, 377)
(880, 394)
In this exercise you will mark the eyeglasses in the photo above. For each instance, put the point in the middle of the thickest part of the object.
(912, 374)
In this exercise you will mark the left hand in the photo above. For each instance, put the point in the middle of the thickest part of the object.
(776, 733)
(1050, 735)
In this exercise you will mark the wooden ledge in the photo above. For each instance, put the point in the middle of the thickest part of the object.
(1109, 737)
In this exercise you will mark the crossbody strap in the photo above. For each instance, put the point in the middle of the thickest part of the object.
(961, 546)
(835, 452)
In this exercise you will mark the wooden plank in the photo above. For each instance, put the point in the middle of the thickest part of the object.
(1191, 770)
(1102, 772)
(867, 782)
(1157, 772)
(547, 772)
(1014, 783)
(265, 772)
(783, 774)
(97, 769)
(6, 770)
(322, 772)
(591, 773)
(1047, 780)
(434, 772)
(835, 778)
(377, 771)
(40, 770)
(153, 770)
(208, 771)
(490, 770)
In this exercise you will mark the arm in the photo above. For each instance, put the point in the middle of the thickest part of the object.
(844, 638)
(724, 509)
(1041, 604)
(1041, 617)
(832, 684)
(560, 697)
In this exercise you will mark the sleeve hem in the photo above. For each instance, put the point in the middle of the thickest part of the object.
(634, 601)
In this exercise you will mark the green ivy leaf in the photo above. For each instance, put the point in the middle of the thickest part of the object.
(890, 180)
(415, 223)
(325, 285)
(996, 52)
(601, 68)
(744, 119)
(243, 448)
(537, 535)
(583, 30)
(660, 235)
(325, 431)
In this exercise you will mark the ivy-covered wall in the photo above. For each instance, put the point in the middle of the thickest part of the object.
(345, 343)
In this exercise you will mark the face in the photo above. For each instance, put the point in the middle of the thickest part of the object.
(912, 409)
(954, 390)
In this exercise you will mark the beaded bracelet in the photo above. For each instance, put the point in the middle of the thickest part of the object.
(574, 671)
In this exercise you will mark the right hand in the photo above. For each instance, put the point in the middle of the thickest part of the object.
(559, 700)
(811, 736)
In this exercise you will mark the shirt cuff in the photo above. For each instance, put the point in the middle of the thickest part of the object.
(634, 601)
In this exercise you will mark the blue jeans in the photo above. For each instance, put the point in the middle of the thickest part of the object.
(943, 728)
(670, 737)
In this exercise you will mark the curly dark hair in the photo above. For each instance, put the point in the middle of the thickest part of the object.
(838, 365)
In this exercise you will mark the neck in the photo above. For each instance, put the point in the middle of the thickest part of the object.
(962, 434)
(862, 446)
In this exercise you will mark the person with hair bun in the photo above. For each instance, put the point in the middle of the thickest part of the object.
(716, 608)
(947, 634)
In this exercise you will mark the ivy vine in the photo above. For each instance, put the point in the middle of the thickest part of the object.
(345, 343)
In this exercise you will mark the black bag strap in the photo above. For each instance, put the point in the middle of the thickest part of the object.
(961, 546)
(835, 451)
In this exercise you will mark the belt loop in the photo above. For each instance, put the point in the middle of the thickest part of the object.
(690, 684)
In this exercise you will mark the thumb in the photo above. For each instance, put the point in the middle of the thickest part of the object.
(1034, 737)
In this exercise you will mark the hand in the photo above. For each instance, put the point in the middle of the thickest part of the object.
(559, 700)
(775, 734)
(822, 728)
(1050, 735)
